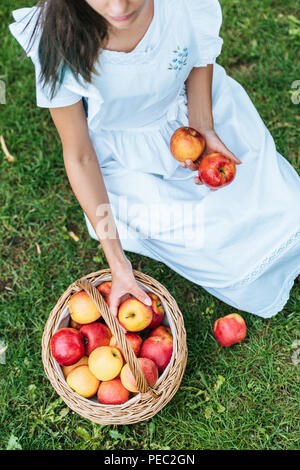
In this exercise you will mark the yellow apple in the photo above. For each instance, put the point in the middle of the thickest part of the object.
(83, 381)
(106, 362)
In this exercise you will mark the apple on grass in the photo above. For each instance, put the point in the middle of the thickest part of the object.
(187, 144)
(96, 335)
(67, 346)
(112, 392)
(82, 309)
(134, 315)
(162, 330)
(67, 369)
(230, 329)
(83, 381)
(134, 339)
(159, 349)
(216, 171)
(106, 362)
(149, 369)
(158, 310)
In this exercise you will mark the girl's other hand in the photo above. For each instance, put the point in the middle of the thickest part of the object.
(213, 144)
(123, 284)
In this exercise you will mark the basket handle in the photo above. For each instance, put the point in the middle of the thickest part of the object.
(115, 327)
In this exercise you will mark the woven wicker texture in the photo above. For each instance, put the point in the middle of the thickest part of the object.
(150, 400)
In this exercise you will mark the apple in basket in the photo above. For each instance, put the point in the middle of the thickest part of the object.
(104, 288)
(83, 381)
(134, 315)
(82, 309)
(162, 330)
(67, 346)
(216, 171)
(96, 334)
(149, 369)
(112, 392)
(158, 310)
(230, 329)
(134, 339)
(187, 144)
(106, 362)
(67, 369)
(74, 324)
(159, 349)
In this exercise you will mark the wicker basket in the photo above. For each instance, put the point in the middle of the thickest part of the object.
(149, 401)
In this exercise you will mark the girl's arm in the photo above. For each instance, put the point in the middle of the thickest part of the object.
(199, 90)
(87, 183)
(199, 94)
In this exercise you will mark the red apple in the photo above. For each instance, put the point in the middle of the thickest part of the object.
(187, 144)
(112, 392)
(104, 288)
(67, 346)
(230, 329)
(106, 298)
(216, 170)
(134, 339)
(162, 330)
(149, 369)
(74, 324)
(158, 310)
(97, 335)
(159, 349)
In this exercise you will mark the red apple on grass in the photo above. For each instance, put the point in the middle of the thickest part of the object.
(230, 329)
(96, 335)
(158, 310)
(134, 315)
(112, 392)
(187, 144)
(216, 171)
(67, 346)
(159, 349)
(149, 369)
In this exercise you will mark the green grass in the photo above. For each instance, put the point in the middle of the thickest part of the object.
(243, 397)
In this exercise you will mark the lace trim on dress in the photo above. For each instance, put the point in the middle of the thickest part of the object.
(270, 259)
(117, 57)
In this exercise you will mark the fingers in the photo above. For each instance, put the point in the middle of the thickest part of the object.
(190, 165)
(197, 180)
(141, 295)
(232, 157)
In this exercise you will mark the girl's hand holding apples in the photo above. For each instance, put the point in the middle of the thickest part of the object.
(123, 284)
(213, 145)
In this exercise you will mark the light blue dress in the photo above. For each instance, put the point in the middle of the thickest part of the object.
(241, 243)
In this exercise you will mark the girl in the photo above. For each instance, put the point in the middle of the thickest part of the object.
(119, 77)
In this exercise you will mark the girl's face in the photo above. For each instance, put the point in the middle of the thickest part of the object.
(121, 14)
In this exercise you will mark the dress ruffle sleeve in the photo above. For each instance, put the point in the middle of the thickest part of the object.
(64, 96)
(205, 18)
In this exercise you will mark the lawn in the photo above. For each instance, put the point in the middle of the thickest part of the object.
(242, 397)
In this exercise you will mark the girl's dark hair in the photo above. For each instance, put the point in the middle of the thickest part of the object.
(72, 35)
